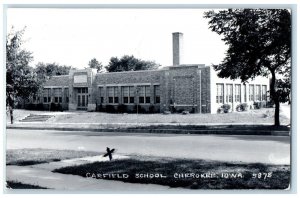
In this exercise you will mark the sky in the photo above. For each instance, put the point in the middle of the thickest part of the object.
(74, 36)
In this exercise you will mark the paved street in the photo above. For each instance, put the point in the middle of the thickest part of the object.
(265, 149)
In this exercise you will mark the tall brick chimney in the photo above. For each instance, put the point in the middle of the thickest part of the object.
(177, 47)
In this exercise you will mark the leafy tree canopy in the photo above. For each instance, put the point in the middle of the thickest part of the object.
(20, 78)
(95, 64)
(130, 63)
(259, 43)
(44, 71)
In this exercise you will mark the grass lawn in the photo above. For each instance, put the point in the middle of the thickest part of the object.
(187, 173)
(24, 157)
(264, 115)
(19, 185)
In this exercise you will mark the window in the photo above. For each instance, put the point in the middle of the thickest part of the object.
(156, 94)
(257, 93)
(128, 94)
(229, 93)
(125, 93)
(144, 94)
(237, 93)
(112, 95)
(83, 90)
(57, 95)
(220, 93)
(264, 92)
(79, 102)
(148, 94)
(47, 95)
(131, 95)
(116, 94)
(101, 94)
(251, 92)
(141, 94)
(245, 93)
(67, 95)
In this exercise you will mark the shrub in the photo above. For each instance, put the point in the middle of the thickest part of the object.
(142, 110)
(152, 109)
(257, 105)
(167, 112)
(52, 106)
(242, 107)
(179, 110)
(100, 108)
(138, 108)
(122, 108)
(172, 109)
(220, 110)
(29, 106)
(55, 107)
(185, 112)
(40, 106)
(193, 110)
(226, 107)
(110, 109)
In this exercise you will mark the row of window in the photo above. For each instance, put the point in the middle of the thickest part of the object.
(57, 92)
(128, 94)
(260, 93)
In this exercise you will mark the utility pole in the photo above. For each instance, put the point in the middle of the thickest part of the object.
(137, 103)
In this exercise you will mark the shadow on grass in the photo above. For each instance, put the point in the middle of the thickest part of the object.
(19, 185)
(193, 174)
(31, 162)
(26, 157)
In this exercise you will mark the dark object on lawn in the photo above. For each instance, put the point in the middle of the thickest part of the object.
(109, 153)
(242, 107)
(167, 112)
(224, 108)
(185, 112)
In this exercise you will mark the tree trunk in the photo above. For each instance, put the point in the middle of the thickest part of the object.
(11, 108)
(275, 98)
(11, 113)
(277, 108)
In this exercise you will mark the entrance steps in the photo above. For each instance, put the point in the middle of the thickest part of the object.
(36, 118)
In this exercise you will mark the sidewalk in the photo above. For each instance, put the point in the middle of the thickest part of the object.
(254, 122)
(41, 175)
(171, 128)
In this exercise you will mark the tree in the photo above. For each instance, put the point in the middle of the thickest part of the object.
(129, 63)
(20, 77)
(95, 65)
(259, 43)
(44, 71)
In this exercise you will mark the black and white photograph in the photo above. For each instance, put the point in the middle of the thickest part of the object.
(148, 99)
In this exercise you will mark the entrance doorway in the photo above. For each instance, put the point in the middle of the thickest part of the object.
(82, 98)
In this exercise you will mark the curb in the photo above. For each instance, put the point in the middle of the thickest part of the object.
(204, 131)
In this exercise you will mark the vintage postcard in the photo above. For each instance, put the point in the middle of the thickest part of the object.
(141, 99)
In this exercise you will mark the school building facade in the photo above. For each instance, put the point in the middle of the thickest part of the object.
(195, 88)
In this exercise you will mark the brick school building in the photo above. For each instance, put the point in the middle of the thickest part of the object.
(194, 88)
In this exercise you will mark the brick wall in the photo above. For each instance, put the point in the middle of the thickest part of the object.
(179, 85)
